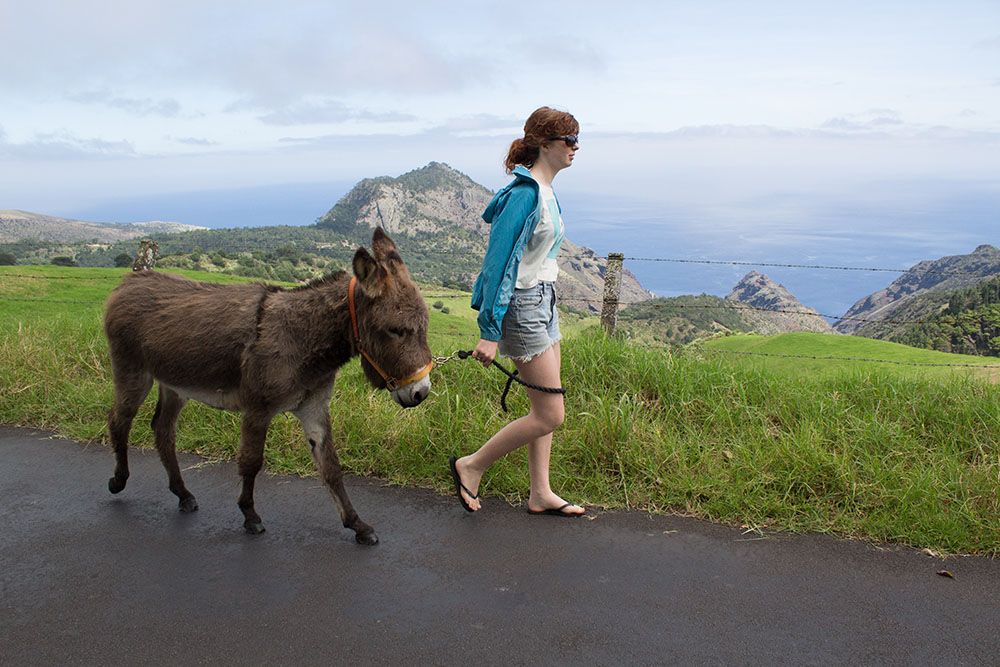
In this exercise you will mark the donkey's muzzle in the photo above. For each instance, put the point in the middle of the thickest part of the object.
(414, 393)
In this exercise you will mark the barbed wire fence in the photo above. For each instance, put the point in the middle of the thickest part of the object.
(610, 303)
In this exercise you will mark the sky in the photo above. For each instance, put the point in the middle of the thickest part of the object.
(769, 122)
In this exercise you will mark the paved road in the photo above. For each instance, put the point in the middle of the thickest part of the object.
(91, 578)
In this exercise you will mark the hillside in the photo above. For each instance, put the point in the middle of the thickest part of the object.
(18, 226)
(920, 292)
(967, 323)
(683, 319)
(439, 208)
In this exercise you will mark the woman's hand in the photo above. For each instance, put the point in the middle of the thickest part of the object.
(485, 351)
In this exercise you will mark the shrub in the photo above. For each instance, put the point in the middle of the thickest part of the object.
(438, 305)
(63, 261)
(7, 259)
(123, 259)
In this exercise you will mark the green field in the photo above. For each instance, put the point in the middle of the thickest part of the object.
(882, 452)
(793, 353)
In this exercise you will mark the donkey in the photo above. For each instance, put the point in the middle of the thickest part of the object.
(261, 350)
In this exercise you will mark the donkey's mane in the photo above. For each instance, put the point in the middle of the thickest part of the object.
(322, 280)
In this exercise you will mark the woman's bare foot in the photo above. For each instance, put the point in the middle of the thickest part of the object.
(470, 480)
(550, 501)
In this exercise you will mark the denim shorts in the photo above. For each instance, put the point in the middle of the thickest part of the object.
(531, 325)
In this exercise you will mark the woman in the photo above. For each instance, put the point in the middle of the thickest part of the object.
(515, 297)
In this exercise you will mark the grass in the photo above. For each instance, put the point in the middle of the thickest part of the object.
(904, 360)
(885, 453)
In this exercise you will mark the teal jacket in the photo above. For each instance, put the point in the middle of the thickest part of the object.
(513, 214)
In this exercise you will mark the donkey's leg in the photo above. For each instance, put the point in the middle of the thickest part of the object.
(131, 388)
(314, 414)
(164, 425)
(250, 460)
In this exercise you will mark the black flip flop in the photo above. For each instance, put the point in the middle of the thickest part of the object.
(558, 511)
(459, 487)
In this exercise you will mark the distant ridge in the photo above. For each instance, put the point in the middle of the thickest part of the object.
(16, 225)
(921, 291)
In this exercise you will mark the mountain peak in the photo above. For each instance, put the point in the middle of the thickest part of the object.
(756, 288)
(433, 175)
(758, 291)
(430, 199)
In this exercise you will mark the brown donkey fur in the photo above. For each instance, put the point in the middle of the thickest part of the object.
(260, 350)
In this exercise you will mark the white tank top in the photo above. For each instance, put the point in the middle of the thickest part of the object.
(538, 263)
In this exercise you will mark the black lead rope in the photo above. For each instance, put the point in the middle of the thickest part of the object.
(512, 378)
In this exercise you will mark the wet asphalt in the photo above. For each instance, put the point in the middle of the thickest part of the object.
(91, 578)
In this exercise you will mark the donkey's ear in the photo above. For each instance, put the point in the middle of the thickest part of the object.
(368, 272)
(383, 246)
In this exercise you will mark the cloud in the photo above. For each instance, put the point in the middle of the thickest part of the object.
(329, 111)
(731, 132)
(289, 71)
(166, 107)
(564, 50)
(274, 55)
(989, 43)
(192, 141)
(867, 121)
(63, 146)
(480, 122)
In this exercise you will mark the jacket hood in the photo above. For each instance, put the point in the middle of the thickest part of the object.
(521, 177)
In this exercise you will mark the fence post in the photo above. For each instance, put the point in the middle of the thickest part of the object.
(145, 259)
(612, 290)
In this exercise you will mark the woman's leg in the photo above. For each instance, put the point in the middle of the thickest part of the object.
(535, 429)
(539, 453)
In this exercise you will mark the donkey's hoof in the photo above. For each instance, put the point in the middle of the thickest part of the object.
(116, 485)
(254, 527)
(367, 538)
(188, 504)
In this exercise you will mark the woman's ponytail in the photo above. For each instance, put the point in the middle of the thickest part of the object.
(520, 153)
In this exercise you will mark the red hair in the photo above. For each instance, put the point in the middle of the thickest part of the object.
(544, 122)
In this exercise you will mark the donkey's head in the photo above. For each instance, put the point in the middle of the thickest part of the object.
(392, 323)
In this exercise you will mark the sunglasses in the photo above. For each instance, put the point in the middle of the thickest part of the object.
(570, 139)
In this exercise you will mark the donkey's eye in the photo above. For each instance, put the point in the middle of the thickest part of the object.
(398, 333)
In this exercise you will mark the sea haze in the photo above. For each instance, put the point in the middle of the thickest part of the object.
(291, 204)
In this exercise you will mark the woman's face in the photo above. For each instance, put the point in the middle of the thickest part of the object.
(558, 152)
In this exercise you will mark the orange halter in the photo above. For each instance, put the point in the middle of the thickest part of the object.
(390, 383)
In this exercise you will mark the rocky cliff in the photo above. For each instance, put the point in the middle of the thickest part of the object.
(758, 291)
